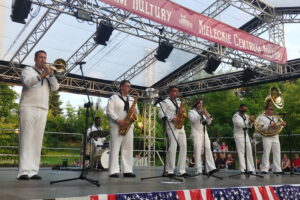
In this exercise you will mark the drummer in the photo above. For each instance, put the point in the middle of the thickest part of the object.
(95, 138)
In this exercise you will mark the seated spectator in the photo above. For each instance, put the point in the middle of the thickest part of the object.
(286, 163)
(221, 161)
(258, 164)
(224, 147)
(192, 161)
(296, 163)
(230, 162)
(216, 145)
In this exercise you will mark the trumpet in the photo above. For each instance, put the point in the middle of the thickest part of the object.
(59, 65)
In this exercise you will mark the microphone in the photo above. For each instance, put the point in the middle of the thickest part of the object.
(80, 63)
(158, 100)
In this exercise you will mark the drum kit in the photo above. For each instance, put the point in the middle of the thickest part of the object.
(98, 151)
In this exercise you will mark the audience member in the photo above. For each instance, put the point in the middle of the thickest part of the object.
(296, 163)
(230, 162)
(216, 145)
(221, 161)
(224, 147)
(286, 163)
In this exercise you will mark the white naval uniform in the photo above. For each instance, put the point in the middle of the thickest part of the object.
(115, 111)
(270, 143)
(170, 111)
(238, 125)
(197, 135)
(34, 105)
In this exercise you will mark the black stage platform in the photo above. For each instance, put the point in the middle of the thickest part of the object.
(10, 188)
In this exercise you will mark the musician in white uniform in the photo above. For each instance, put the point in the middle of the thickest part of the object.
(97, 141)
(171, 107)
(242, 121)
(34, 104)
(117, 108)
(199, 118)
(268, 120)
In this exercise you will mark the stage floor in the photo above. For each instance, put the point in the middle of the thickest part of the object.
(10, 188)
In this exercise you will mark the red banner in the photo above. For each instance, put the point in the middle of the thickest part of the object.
(173, 15)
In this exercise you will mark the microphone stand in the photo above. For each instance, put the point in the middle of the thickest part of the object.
(208, 174)
(290, 150)
(87, 106)
(246, 172)
(166, 150)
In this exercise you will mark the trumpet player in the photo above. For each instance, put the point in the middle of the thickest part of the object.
(117, 109)
(170, 108)
(37, 83)
(199, 118)
(241, 123)
(268, 121)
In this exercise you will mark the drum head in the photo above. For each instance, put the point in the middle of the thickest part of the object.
(104, 160)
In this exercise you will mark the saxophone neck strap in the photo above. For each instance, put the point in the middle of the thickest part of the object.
(126, 103)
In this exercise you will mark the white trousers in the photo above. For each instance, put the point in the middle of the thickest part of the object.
(123, 143)
(240, 147)
(271, 143)
(171, 154)
(32, 127)
(198, 146)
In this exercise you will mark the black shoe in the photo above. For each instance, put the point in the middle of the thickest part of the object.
(129, 175)
(184, 175)
(36, 177)
(170, 175)
(116, 175)
(278, 173)
(213, 171)
(23, 177)
(264, 172)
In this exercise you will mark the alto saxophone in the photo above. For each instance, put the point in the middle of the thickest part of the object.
(130, 118)
(181, 115)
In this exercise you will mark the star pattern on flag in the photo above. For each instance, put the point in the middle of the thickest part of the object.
(287, 192)
(232, 194)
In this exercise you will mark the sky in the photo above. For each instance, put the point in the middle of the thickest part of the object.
(62, 40)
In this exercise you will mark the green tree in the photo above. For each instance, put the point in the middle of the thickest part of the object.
(55, 103)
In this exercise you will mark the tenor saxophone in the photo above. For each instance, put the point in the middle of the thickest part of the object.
(130, 118)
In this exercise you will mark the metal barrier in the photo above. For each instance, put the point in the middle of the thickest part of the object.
(12, 149)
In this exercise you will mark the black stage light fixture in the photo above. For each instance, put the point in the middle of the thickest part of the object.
(248, 74)
(20, 10)
(212, 64)
(164, 50)
(103, 33)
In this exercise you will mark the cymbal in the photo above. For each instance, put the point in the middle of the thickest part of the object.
(96, 134)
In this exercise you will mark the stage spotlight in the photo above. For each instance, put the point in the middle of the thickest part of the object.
(248, 74)
(212, 64)
(103, 32)
(164, 50)
(20, 10)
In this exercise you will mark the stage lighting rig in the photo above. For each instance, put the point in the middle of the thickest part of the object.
(103, 33)
(20, 10)
(164, 50)
(212, 64)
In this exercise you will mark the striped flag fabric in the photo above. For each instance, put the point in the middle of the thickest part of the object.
(263, 193)
(103, 197)
(200, 194)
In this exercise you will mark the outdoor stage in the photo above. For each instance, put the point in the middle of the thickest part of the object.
(10, 188)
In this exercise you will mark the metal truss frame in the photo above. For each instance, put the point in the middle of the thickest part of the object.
(149, 30)
(149, 125)
(234, 80)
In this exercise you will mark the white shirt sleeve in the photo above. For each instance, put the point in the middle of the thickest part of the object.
(110, 110)
(193, 116)
(29, 77)
(238, 121)
(54, 85)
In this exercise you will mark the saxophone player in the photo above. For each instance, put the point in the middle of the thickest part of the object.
(267, 120)
(171, 107)
(117, 110)
(199, 117)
